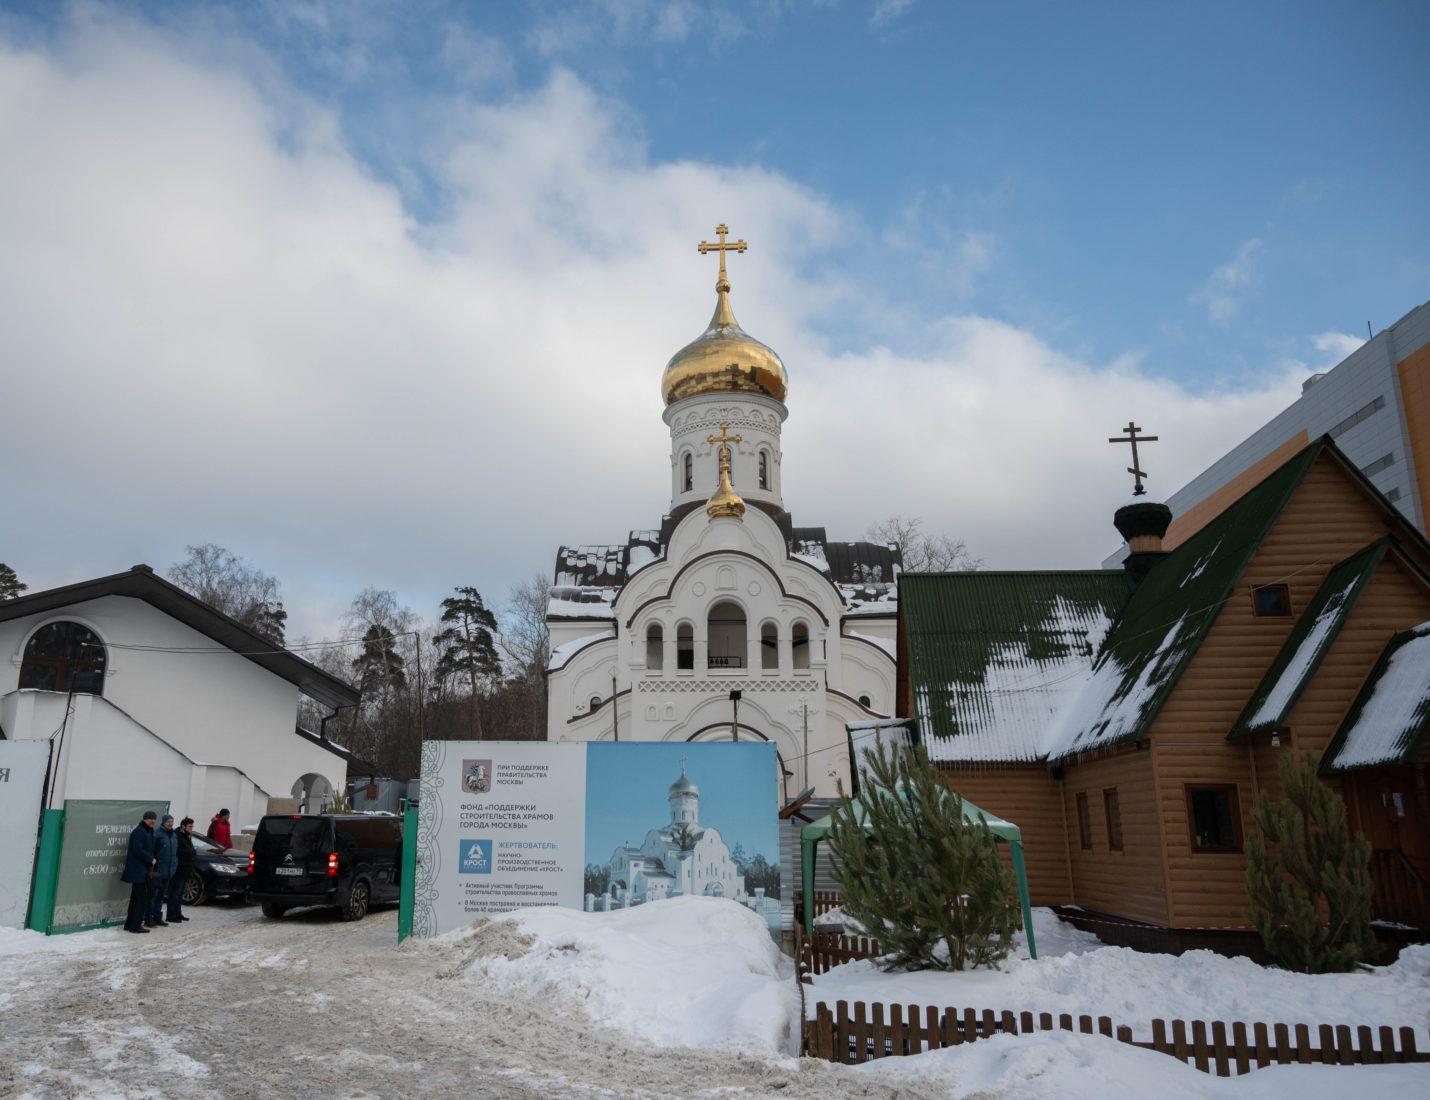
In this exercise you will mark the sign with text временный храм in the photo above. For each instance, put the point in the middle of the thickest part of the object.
(505, 825)
(89, 890)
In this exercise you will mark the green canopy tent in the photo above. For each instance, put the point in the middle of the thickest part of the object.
(1003, 831)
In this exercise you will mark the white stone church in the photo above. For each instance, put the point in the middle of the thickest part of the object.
(728, 607)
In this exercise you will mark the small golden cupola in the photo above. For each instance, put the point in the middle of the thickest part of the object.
(723, 358)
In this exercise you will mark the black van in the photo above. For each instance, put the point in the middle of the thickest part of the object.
(347, 860)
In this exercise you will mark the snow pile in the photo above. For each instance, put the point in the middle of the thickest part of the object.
(1074, 975)
(685, 972)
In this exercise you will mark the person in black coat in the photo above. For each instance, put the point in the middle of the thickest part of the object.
(138, 862)
(184, 841)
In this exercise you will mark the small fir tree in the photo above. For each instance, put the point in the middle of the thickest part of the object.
(926, 883)
(1308, 880)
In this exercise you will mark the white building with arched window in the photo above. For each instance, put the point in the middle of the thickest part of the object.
(145, 692)
(727, 604)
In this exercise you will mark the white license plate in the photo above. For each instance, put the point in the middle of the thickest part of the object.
(287, 870)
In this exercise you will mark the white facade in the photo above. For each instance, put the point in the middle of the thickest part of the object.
(679, 618)
(178, 716)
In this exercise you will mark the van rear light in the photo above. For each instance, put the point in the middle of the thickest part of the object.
(250, 863)
(333, 865)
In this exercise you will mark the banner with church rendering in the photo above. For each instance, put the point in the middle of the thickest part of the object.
(507, 824)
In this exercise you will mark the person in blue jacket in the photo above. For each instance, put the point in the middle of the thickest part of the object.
(166, 862)
(138, 862)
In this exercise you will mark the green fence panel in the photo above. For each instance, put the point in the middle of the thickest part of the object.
(409, 874)
(47, 871)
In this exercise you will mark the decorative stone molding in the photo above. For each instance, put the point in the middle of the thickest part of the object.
(718, 687)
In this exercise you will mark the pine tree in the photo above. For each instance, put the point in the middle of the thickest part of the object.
(379, 664)
(926, 883)
(1308, 880)
(469, 645)
(10, 585)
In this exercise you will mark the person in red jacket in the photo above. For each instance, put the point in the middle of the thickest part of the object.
(219, 831)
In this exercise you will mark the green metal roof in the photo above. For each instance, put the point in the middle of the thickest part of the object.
(994, 657)
(1169, 614)
(1312, 636)
(1387, 721)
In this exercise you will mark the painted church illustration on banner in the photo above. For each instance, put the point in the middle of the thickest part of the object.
(681, 857)
(727, 621)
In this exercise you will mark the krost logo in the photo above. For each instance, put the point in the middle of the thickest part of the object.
(476, 776)
(476, 858)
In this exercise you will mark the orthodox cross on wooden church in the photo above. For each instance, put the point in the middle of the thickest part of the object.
(1133, 438)
(723, 247)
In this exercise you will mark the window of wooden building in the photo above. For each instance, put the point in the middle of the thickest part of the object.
(1114, 819)
(1084, 822)
(1271, 600)
(1214, 813)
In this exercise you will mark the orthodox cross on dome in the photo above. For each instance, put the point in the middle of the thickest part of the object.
(704, 247)
(1133, 438)
(724, 439)
(725, 502)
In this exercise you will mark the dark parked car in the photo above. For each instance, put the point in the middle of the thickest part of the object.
(347, 860)
(215, 874)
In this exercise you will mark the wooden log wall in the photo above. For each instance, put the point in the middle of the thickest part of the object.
(1027, 796)
(1327, 519)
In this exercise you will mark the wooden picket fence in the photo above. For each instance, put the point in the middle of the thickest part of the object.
(816, 953)
(878, 1031)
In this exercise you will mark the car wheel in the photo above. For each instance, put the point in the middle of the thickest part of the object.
(195, 891)
(272, 910)
(356, 907)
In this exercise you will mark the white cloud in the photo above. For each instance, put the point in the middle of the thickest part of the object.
(218, 326)
(886, 11)
(476, 59)
(1337, 344)
(1229, 286)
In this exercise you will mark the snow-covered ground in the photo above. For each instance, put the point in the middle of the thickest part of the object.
(679, 998)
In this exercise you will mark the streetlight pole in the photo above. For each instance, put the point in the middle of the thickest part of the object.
(735, 718)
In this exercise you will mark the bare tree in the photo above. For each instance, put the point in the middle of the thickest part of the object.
(241, 591)
(922, 552)
(526, 643)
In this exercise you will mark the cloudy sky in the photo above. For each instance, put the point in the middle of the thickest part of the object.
(379, 293)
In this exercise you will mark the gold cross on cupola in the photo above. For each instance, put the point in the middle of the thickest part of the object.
(723, 247)
(1133, 438)
(725, 502)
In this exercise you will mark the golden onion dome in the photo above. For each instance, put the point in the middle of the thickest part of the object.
(723, 359)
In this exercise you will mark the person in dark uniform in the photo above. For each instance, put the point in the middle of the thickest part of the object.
(138, 862)
(184, 844)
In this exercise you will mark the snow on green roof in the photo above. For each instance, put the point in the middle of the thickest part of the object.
(995, 657)
(1169, 614)
(1388, 718)
(1312, 637)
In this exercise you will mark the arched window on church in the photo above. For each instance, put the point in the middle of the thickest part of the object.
(726, 636)
(654, 647)
(764, 469)
(799, 645)
(684, 646)
(64, 657)
(687, 477)
(769, 647)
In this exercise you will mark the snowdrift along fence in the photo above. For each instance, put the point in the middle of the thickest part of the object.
(818, 952)
(881, 1031)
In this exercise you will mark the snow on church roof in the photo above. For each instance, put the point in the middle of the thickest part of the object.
(566, 650)
(1387, 722)
(1271, 704)
(581, 602)
(996, 657)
